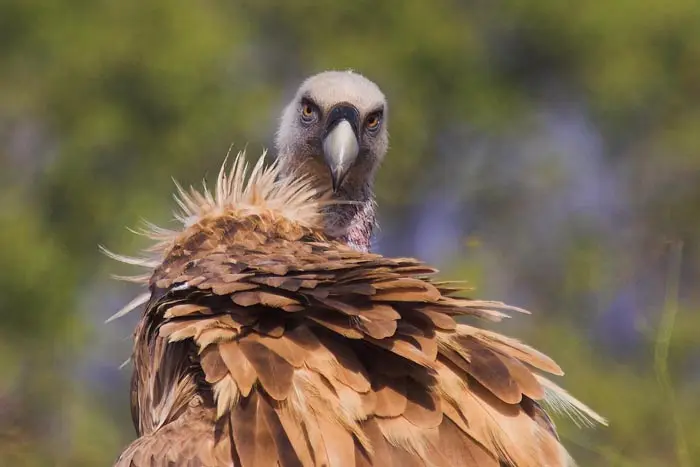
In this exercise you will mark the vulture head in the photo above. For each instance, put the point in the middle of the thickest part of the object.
(335, 130)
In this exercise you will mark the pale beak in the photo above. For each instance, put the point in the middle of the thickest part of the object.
(340, 145)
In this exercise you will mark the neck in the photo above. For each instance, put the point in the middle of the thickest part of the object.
(354, 222)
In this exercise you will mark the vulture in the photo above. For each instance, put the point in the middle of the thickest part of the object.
(271, 336)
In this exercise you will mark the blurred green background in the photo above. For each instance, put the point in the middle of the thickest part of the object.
(547, 151)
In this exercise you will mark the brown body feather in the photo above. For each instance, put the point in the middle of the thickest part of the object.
(265, 343)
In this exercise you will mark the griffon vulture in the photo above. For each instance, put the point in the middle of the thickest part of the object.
(271, 337)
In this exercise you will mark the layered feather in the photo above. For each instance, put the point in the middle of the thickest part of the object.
(264, 342)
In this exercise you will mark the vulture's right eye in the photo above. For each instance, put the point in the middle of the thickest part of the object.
(308, 112)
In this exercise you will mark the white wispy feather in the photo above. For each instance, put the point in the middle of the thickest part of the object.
(266, 190)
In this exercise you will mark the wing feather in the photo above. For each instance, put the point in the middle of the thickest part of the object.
(252, 438)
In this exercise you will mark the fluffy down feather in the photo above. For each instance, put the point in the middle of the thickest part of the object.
(266, 343)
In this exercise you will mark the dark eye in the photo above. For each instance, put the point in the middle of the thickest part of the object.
(373, 121)
(308, 112)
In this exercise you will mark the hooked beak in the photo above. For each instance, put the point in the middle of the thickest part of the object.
(340, 144)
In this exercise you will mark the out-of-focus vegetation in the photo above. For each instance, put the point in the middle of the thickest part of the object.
(547, 151)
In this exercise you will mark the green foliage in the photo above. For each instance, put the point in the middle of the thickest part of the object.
(102, 102)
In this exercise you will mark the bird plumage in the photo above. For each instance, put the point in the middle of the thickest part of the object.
(267, 342)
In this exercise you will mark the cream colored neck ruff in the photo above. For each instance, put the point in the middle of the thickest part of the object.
(267, 191)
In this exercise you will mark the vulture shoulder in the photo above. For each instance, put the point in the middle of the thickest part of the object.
(265, 343)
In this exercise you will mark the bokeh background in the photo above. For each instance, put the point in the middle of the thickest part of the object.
(547, 151)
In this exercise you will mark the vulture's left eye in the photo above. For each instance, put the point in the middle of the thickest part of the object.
(373, 121)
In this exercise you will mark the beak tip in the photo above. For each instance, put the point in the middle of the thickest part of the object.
(336, 179)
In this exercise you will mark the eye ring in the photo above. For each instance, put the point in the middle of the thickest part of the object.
(373, 122)
(308, 112)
